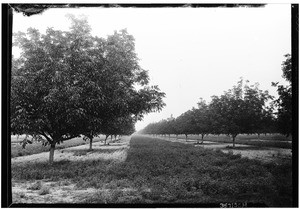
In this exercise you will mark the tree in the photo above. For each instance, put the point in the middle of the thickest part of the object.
(186, 123)
(43, 100)
(268, 122)
(284, 102)
(162, 127)
(202, 119)
(118, 126)
(149, 129)
(239, 110)
(171, 127)
(256, 110)
(127, 127)
(116, 63)
(68, 83)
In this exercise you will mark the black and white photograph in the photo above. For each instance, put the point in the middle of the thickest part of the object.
(153, 105)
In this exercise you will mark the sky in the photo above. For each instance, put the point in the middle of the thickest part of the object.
(190, 52)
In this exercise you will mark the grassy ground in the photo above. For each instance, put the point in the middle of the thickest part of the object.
(37, 147)
(158, 171)
(270, 140)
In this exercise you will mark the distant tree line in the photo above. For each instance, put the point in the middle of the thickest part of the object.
(67, 84)
(244, 109)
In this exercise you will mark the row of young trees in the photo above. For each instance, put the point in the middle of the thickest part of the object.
(69, 83)
(244, 109)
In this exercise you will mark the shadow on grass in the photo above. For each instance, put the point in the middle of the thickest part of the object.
(250, 148)
(94, 150)
(114, 144)
(209, 144)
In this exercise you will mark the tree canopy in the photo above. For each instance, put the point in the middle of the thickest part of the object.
(242, 109)
(68, 83)
(284, 102)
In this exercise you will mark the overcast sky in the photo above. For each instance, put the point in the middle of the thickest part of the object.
(191, 52)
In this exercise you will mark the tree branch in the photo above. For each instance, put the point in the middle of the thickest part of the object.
(69, 137)
(45, 135)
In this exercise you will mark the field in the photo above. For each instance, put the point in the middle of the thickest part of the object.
(146, 170)
(270, 148)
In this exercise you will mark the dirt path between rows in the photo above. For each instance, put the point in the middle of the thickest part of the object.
(264, 154)
(64, 191)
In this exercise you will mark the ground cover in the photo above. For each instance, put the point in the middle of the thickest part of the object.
(159, 171)
(36, 186)
(37, 147)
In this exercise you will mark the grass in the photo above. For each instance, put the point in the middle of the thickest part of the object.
(36, 186)
(270, 140)
(158, 171)
(44, 190)
(37, 147)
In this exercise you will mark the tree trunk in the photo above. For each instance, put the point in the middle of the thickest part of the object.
(233, 140)
(198, 139)
(169, 136)
(258, 135)
(176, 136)
(202, 137)
(186, 137)
(105, 139)
(51, 155)
(91, 143)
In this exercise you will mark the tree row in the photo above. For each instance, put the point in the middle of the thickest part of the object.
(67, 84)
(244, 109)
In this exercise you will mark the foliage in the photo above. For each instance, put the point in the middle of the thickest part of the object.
(68, 83)
(118, 126)
(239, 110)
(284, 102)
(203, 118)
(186, 123)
